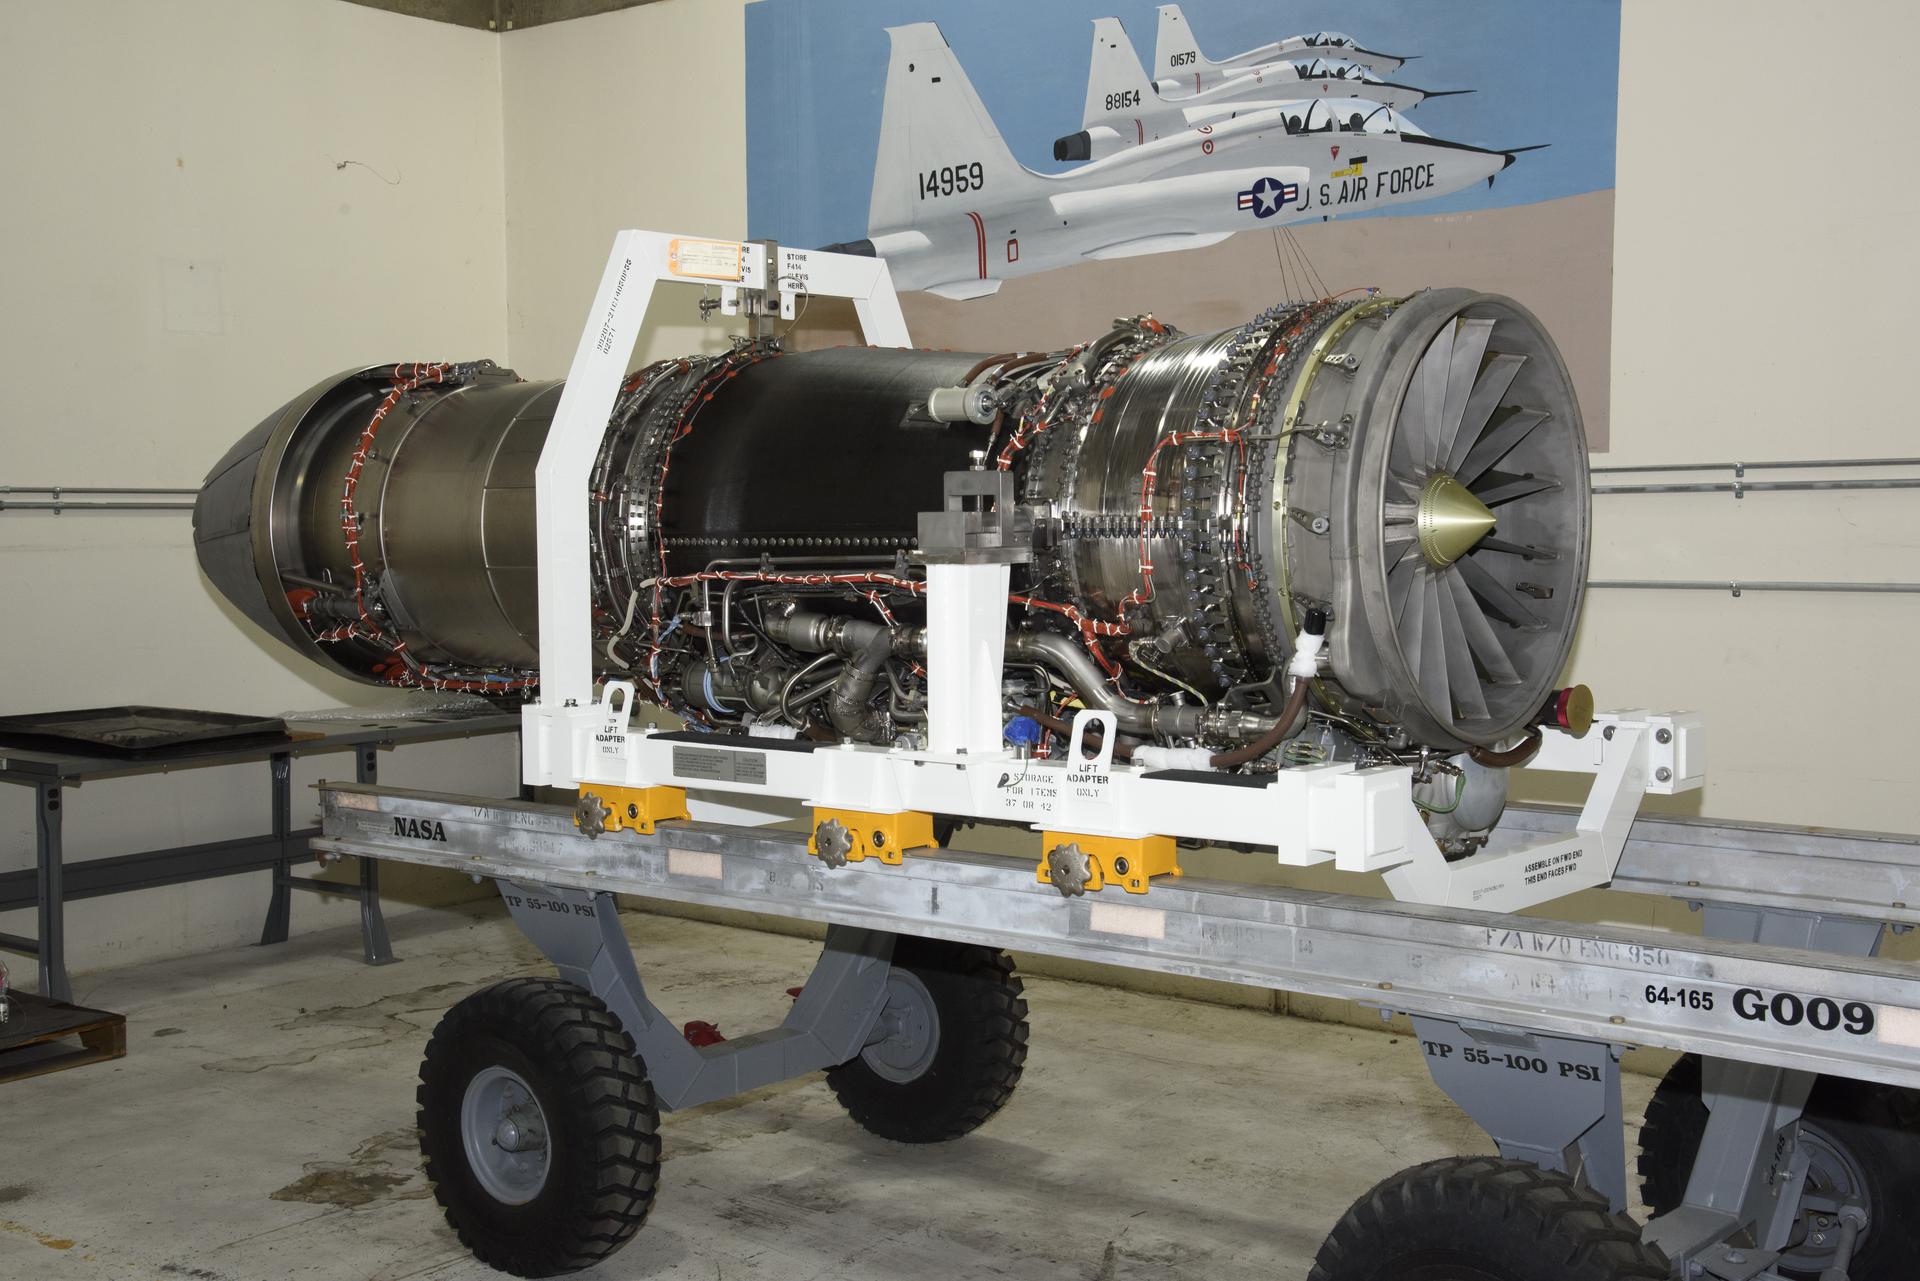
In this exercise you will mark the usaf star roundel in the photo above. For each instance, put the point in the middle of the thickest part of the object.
(1269, 196)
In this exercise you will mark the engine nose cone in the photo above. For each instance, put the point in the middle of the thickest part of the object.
(1450, 520)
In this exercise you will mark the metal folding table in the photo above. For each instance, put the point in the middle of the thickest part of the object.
(51, 883)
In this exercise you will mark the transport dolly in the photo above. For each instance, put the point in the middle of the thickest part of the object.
(1783, 1147)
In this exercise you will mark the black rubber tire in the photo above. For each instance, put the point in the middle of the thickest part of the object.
(601, 1114)
(1877, 1125)
(1485, 1219)
(981, 1018)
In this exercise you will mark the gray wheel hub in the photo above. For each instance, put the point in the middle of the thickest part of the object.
(907, 1033)
(1833, 1178)
(504, 1132)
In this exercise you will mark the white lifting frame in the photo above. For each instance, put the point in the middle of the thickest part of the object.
(761, 273)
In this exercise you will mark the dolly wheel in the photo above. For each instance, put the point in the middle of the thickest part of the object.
(538, 1127)
(1863, 1145)
(948, 1047)
(1485, 1219)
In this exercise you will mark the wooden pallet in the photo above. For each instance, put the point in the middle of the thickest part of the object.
(40, 1036)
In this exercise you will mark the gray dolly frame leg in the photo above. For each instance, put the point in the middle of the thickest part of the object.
(1550, 1100)
(1555, 1102)
(375, 945)
(1750, 1172)
(832, 1020)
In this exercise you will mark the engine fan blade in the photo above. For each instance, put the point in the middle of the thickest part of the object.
(1461, 673)
(1398, 542)
(1487, 392)
(1516, 549)
(1500, 600)
(1431, 660)
(1413, 614)
(1498, 487)
(1479, 634)
(1399, 584)
(1502, 440)
(1428, 393)
(1463, 372)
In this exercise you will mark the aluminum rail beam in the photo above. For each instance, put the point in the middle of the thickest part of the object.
(1628, 986)
(1871, 875)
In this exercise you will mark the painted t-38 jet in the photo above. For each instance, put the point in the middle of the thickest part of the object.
(1124, 109)
(1177, 56)
(955, 214)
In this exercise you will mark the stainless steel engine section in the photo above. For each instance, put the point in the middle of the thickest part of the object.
(1412, 468)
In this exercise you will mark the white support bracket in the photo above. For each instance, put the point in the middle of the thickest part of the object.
(557, 731)
(1629, 754)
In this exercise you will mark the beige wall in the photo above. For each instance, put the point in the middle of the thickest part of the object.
(628, 119)
(1763, 266)
(178, 256)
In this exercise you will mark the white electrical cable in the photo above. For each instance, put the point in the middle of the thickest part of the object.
(625, 624)
(1305, 663)
(1153, 756)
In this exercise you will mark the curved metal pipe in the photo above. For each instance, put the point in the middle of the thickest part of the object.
(823, 633)
(848, 709)
(1072, 661)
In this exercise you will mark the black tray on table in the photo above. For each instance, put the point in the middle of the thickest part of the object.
(135, 730)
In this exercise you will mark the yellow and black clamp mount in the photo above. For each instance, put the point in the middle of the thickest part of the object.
(841, 837)
(1076, 863)
(604, 808)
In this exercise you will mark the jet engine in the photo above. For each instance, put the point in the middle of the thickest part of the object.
(1398, 484)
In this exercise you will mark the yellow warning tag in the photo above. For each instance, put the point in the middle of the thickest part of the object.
(705, 259)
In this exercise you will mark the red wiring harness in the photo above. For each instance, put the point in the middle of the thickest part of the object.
(402, 669)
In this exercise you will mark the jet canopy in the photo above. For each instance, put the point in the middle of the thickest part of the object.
(1346, 115)
(1383, 119)
(1331, 40)
(1334, 69)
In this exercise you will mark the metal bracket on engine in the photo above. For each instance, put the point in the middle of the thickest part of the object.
(983, 523)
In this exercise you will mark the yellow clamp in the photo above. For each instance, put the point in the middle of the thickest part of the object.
(1075, 863)
(629, 808)
(849, 836)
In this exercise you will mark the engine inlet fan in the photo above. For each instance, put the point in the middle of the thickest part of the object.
(1465, 494)
(1485, 494)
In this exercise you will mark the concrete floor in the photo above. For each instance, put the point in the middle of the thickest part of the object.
(262, 1127)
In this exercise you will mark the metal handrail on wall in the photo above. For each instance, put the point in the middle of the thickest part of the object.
(1740, 487)
(56, 498)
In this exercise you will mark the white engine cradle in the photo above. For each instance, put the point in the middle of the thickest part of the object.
(1359, 819)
